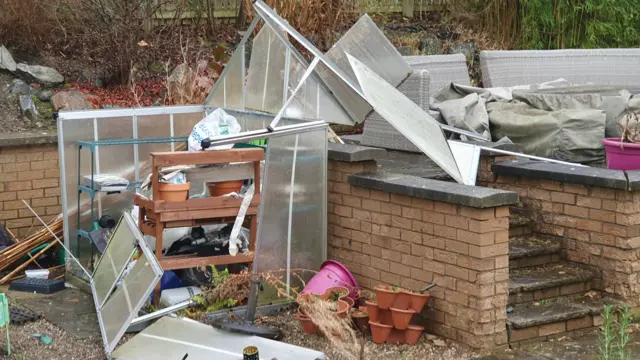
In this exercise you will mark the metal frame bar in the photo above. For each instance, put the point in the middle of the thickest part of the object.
(110, 113)
(162, 312)
(531, 157)
(286, 104)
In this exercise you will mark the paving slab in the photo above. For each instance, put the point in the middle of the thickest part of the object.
(543, 277)
(70, 309)
(532, 245)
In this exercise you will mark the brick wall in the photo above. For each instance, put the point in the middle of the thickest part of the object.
(600, 226)
(386, 238)
(28, 172)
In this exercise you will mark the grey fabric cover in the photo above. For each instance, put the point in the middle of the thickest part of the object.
(573, 135)
(612, 100)
(579, 66)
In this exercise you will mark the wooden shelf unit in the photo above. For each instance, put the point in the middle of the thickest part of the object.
(157, 215)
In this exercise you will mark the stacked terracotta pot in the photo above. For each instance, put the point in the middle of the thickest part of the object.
(390, 317)
(344, 305)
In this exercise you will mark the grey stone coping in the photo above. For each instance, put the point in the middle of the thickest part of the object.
(354, 153)
(633, 176)
(530, 169)
(28, 138)
(473, 196)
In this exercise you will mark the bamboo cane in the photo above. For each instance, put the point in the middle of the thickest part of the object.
(24, 264)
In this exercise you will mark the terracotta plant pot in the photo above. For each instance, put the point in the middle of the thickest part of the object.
(307, 325)
(343, 308)
(173, 192)
(379, 332)
(386, 297)
(374, 311)
(417, 301)
(349, 301)
(402, 300)
(363, 308)
(224, 187)
(360, 320)
(335, 290)
(396, 337)
(413, 333)
(401, 318)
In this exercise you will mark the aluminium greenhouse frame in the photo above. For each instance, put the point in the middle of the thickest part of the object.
(91, 122)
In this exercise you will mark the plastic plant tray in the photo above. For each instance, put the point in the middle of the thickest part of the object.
(40, 286)
(20, 316)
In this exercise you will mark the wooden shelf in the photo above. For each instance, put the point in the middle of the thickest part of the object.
(157, 215)
(182, 262)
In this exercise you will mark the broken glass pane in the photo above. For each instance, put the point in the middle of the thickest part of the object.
(407, 117)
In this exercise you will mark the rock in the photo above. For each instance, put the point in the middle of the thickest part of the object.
(467, 49)
(6, 60)
(430, 46)
(45, 95)
(439, 342)
(44, 75)
(71, 100)
(19, 87)
(28, 107)
(181, 74)
(447, 34)
(406, 50)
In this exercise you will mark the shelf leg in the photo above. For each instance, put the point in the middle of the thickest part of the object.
(159, 232)
(253, 235)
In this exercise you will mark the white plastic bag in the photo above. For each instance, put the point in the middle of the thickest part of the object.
(218, 123)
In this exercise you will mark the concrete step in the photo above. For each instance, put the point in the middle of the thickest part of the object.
(548, 281)
(519, 225)
(534, 250)
(541, 319)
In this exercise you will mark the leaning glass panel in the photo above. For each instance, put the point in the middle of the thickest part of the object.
(113, 261)
(266, 75)
(407, 117)
(126, 301)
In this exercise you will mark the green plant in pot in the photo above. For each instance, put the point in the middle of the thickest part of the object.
(624, 153)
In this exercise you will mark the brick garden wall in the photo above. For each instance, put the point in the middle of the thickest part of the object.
(599, 222)
(28, 172)
(387, 238)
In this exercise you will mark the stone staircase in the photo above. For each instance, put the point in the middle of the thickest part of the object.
(547, 294)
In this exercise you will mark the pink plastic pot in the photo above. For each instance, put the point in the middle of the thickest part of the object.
(331, 274)
(621, 156)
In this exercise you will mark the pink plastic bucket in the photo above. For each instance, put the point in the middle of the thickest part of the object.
(626, 157)
(331, 274)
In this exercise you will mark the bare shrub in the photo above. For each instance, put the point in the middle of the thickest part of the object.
(318, 20)
(191, 81)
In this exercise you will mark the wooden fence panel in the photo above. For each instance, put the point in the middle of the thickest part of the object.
(228, 9)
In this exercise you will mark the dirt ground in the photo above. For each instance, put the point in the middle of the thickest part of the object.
(64, 346)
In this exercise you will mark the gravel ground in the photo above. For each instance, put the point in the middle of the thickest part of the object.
(425, 349)
(64, 346)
